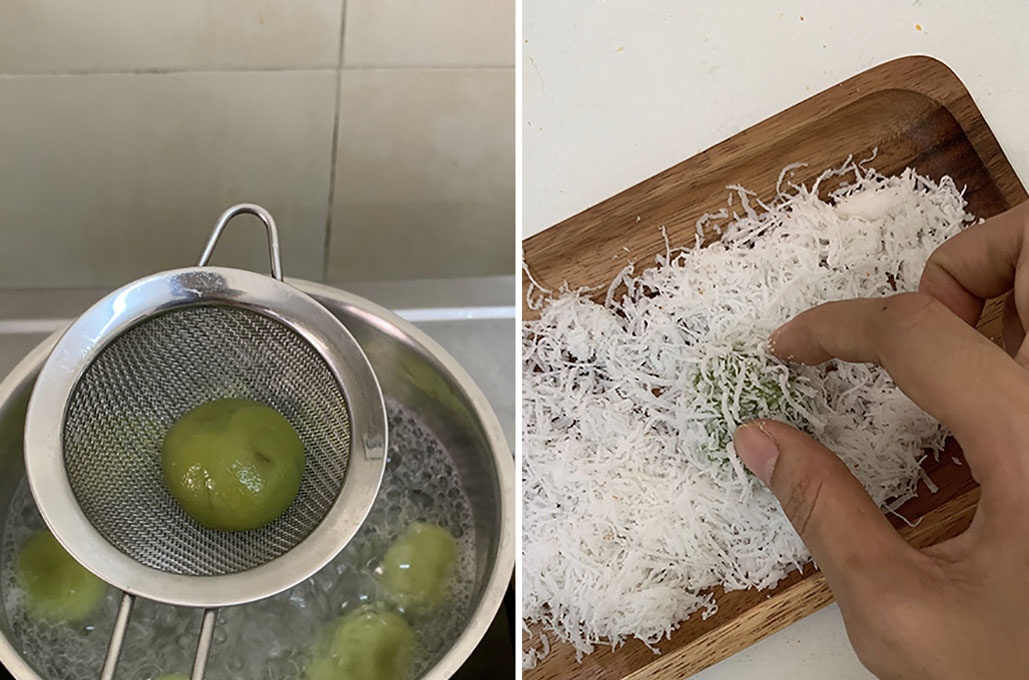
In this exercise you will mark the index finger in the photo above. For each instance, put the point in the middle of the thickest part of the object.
(977, 264)
(944, 365)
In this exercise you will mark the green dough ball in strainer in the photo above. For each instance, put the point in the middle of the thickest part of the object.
(233, 464)
(57, 587)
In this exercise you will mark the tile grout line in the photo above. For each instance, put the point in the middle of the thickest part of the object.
(334, 151)
(265, 69)
(165, 71)
(427, 67)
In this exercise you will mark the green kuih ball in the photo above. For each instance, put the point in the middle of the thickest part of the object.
(418, 567)
(233, 464)
(366, 644)
(57, 588)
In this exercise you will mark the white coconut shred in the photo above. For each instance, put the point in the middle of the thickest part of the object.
(635, 502)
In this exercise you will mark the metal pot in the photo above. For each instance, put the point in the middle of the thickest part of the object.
(413, 370)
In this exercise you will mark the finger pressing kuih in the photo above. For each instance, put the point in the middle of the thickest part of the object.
(845, 531)
(944, 365)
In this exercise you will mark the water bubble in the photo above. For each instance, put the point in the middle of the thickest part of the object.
(421, 499)
(30, 517)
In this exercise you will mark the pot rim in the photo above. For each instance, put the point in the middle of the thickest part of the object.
(498, 579)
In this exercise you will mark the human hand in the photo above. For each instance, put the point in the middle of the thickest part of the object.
(958, 609)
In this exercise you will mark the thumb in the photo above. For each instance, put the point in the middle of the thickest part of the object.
(843, 528)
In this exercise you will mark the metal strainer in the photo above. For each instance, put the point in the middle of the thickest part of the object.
(141, 358)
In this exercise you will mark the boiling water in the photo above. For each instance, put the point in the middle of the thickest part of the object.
(266, 640)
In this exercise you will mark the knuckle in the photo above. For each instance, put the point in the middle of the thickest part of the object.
(907, 315)
(906, 312)
(938, 261)
(802, 500)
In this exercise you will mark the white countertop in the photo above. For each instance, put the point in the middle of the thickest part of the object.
(615, 91)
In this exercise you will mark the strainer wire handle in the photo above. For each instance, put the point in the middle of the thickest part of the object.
(203, 644)
(121, 623)
(269, 226)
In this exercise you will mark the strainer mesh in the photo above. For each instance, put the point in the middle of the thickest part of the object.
(150, 376)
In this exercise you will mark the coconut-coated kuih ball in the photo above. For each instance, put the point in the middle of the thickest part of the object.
(233, 464)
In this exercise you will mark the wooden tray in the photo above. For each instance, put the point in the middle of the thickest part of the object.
(918, 114)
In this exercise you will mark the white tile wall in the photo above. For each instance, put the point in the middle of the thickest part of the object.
(106, 178)
(125, 129)
(420, 33)
(62, 36)
(424, 174)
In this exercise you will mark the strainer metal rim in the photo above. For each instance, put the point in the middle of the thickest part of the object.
(128, 306)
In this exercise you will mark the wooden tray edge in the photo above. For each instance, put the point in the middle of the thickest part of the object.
(941, 85)
(944, 87)
(842, 94)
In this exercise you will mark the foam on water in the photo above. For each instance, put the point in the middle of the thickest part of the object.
(266, 640)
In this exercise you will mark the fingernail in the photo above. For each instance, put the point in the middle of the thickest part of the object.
(757, 450)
